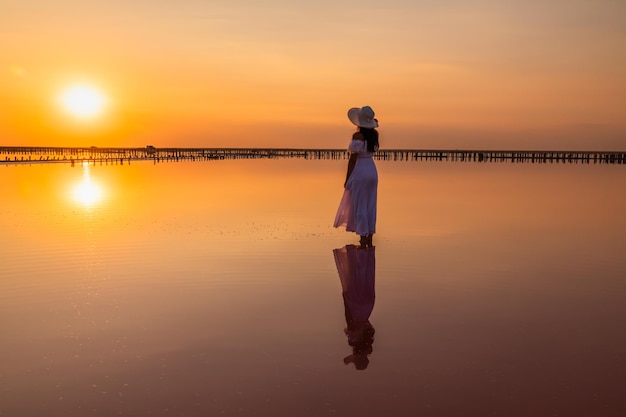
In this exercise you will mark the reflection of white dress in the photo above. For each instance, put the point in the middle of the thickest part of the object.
(357, 209)
(357, 272)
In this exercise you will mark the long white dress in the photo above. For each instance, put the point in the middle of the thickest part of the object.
(357, 208)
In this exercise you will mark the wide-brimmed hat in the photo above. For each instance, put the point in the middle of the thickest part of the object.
(362, 117)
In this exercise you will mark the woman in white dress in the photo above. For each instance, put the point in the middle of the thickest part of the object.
(357, 209)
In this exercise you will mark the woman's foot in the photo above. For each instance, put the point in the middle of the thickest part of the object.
(369, 239)
(363, 242)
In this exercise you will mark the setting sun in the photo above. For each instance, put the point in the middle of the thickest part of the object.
(83, 101)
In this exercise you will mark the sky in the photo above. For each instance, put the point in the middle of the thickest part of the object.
(506, 74)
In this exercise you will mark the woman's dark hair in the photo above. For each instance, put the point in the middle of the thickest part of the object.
(371, 136)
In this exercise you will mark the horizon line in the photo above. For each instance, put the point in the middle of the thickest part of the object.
(17, 149)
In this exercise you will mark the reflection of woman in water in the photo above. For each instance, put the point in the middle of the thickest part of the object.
(357, 209)
(357, 271)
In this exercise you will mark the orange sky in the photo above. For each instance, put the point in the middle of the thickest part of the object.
(508, 73)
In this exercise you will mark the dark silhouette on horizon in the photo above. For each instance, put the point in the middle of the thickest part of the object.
(113, 155)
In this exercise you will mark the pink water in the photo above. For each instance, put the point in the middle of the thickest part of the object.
(210, 288)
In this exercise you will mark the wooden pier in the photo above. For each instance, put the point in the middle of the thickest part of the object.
(73, 155)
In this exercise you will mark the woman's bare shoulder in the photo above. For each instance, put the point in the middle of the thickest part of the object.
(358, 135)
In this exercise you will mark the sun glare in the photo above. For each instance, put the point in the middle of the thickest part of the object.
(87, 192)
(83, 101)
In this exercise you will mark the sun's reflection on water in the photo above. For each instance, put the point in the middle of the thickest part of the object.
(87, 192)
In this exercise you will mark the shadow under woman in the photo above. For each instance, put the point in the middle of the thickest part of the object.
(357, 271)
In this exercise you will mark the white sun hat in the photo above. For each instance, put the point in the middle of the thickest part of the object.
(362, 117)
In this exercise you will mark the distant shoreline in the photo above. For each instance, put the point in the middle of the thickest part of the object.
(46, 154)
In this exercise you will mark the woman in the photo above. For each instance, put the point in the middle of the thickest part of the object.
(357, 209)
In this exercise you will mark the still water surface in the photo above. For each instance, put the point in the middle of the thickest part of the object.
(220, 288)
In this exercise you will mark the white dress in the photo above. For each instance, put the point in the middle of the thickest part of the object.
(357, 209)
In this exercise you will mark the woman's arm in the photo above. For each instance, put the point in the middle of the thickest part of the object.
(351, 164)
(353, 156)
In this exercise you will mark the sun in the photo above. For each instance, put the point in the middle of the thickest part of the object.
(83, 101)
